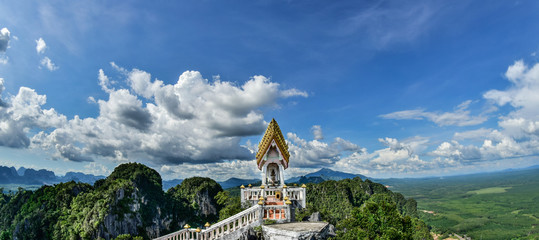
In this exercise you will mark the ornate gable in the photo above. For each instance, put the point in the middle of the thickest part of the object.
(273, 133)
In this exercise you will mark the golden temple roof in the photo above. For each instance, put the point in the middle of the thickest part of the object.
(273, 132)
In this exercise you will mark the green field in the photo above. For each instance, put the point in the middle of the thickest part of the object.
(503, 205)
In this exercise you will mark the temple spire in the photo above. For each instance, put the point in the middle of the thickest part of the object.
(273, 134)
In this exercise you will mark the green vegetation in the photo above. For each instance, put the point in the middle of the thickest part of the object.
(488, 206)
(230, 205)
(190, 193)
(364, 210)
(129, 204)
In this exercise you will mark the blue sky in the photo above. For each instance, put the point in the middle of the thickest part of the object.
(381, 88)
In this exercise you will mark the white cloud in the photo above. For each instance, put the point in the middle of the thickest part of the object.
(476, 134)
(522, 94)
(316, 153)
(23, 112)
(317, 132)
(460, 117)
(4, 59)
(387, 24)
(294, 92)
(96, 169)
(220, 171)
(191, 122)
(399, 157)
(46, 62)
(40, 45)
(4, 39)
(104, 81)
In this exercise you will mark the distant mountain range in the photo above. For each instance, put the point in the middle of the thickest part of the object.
(171, 183)
(28, 176)
(319, 176)
(324, 174)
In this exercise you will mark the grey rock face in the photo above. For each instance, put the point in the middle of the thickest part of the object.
(131, 223)
(315, 217)
(299, 231)
(206, 204)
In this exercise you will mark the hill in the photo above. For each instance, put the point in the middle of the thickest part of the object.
(129, 201)
(364, 210)
(28, 176)
(324, 174)
(234, 182)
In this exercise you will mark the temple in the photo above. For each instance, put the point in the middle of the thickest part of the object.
(272, 159)
(273, 200)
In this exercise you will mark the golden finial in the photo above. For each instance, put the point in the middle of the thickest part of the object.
(288, 202)
(284, 186)
(303, 185)
(242, 187)
(198, 229)
(260, 202)
(186, 226)
(286, 198)
(262, 186)
(249, 185)
(261, 198)
(207, 224)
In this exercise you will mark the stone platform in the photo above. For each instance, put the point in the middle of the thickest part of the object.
(298, 230)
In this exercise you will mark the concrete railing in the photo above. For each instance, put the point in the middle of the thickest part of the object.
(231, 224)
(252, 194)
(245, 218)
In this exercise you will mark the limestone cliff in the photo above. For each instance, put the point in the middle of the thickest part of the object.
(198, 195)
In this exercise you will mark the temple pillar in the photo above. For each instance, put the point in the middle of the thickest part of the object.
(281, 174)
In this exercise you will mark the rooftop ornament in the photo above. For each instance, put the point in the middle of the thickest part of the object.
(303, 186)
(242, 187)
(262, 187)
(284, 186)
(249, 185)
(207, 224)
(198, 230)
(186, 226)
(288, 202)
(260, 202)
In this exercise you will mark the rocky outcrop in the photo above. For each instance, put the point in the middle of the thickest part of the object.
(206, 204)
(315, 217)
(198, 194)
(131, 222)
(299, 231)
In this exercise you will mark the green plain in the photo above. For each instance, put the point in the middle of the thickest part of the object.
(502, 205)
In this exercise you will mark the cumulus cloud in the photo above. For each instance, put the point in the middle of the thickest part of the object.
(316, 153)
(522, 94)
(40, 45)
(24, 112)
(4, 39)
(47, 63)
(219, 171)
(460, 117)
(191, 122)
(317, 132)
(518, 132)
(398, 157)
